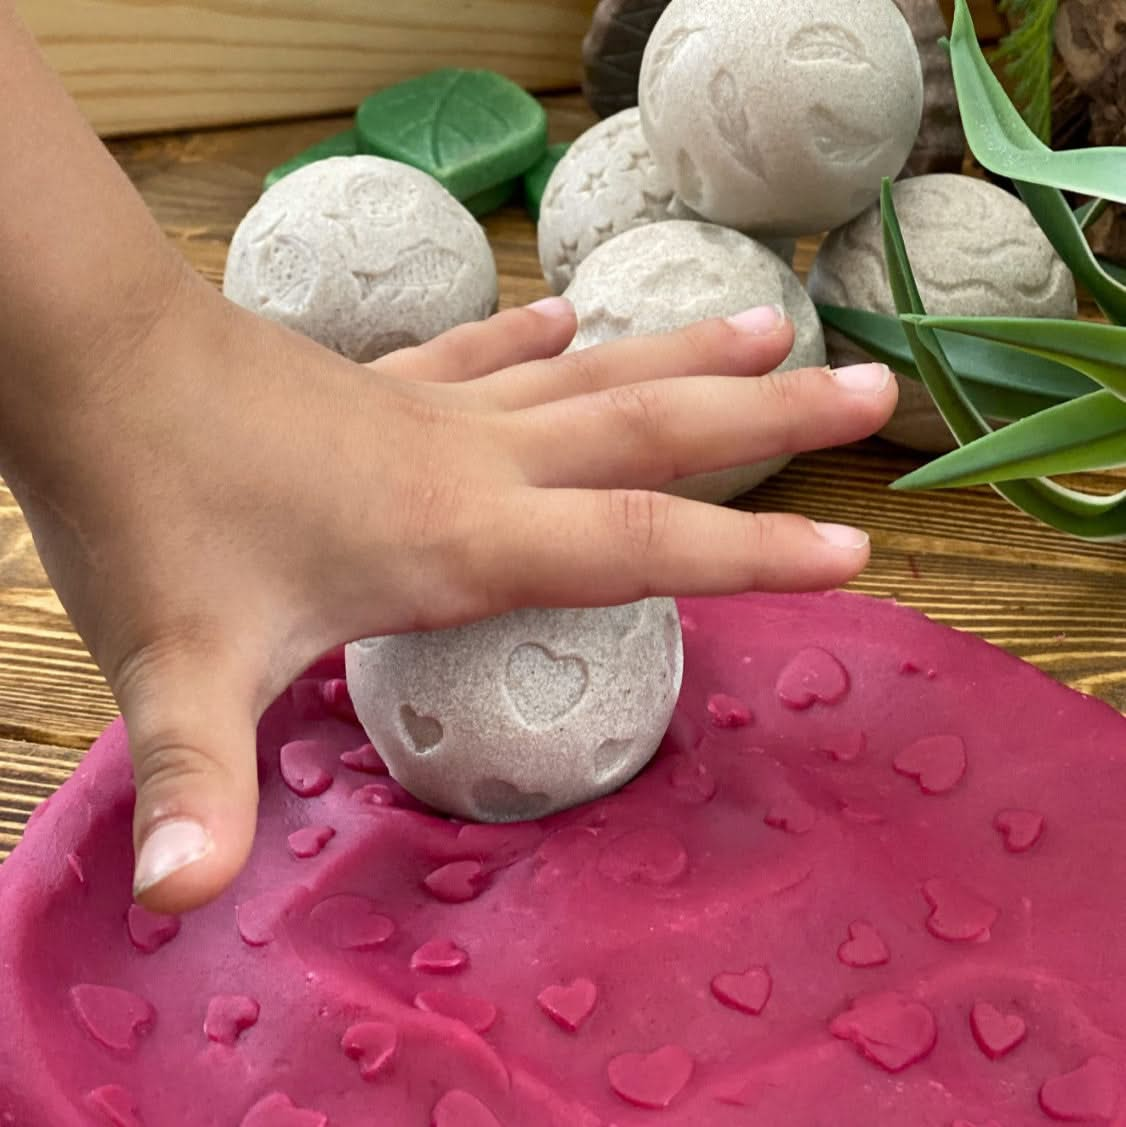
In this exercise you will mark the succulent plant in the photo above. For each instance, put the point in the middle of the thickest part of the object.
(1060, 384)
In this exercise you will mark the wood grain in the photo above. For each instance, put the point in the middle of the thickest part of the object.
(147, 65)
(29, 773)
(964, 557)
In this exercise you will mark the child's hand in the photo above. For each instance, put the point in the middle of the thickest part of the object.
(232, 501)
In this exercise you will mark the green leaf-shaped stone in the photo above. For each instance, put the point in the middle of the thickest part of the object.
(469, 129)
(536, 178)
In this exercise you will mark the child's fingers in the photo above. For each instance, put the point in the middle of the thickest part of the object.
(565, 547)
(646, 435)
(751, 344)
(516, 336)
(192, 740)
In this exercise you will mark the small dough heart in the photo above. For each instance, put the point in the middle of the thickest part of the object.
(651, 1080)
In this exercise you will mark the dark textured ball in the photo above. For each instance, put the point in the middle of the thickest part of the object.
(612, 52)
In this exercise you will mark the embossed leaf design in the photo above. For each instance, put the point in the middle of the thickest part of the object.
(731, 121)
(839, 140)
(469, 129)
(425, 271)
(286, 272)
(826, 43)
(665, 55)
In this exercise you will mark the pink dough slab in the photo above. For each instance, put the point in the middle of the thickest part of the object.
(875, 877)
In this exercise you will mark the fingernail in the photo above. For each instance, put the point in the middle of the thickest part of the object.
(842, 536)
(552, 307)
(866, 378)
(759, 321)
(170, 847)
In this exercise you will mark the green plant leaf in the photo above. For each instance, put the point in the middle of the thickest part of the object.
(1001, 383)
(1078, 514)
(1089, 213)
(1026, 55)
(999, 138)
(469, 129)
(1058, 222)
(1096, 350)
(536, 178)
(1085, 434)
(1118, 273)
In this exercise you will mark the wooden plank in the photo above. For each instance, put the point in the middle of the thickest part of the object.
(29, 773)
(154, 66)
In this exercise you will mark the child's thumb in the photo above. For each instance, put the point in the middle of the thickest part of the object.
(192, 739)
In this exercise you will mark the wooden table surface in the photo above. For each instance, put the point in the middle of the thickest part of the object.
(963, 557)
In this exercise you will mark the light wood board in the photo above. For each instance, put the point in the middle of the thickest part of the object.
(142, 67)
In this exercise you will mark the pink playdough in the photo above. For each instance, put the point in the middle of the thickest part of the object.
(875, 877)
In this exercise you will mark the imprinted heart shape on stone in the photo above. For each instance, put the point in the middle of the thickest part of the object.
(542, 687)
(651, 1080)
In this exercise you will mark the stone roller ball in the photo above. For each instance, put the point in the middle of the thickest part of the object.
(666, 276)
(606, 184)
(523, 714)
(364, 255)
(781, 117)
(975, 250)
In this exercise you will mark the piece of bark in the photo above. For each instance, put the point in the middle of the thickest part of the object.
(941, 145)
(1091, 40)
(613, 49)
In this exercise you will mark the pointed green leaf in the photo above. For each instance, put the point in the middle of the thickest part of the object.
(469, 129)
(1085, 434)
(1078, 514)
(1118, 273)
(1096, 350)
(1003, 143)
(1001, 383)
(1057, 221)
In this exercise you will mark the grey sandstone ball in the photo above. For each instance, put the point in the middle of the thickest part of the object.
(975, 250)
(665, 276)
(364, 255)
(524, 714)
(781, 117)
(606, 183)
